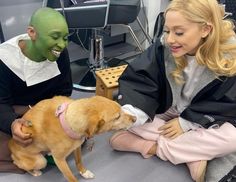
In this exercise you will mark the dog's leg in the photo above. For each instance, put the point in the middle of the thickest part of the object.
(32, 163)
(35, 172)
(64, 168)
(78, 161)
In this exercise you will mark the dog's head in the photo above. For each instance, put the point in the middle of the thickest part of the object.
(97, 115)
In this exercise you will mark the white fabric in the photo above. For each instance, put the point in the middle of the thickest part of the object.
(141, 116)
(27, 70)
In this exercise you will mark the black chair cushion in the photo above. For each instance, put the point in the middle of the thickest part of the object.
(123, 14)
(120, 12)
(82, 15)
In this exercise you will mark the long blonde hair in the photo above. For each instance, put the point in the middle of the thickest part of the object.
(218, 50)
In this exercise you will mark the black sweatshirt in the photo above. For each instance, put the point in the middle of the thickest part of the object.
(13, 91)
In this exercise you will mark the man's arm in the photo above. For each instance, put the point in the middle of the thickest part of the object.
(7, 113)
(7, 116)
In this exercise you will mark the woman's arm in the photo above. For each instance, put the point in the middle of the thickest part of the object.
(144, 85)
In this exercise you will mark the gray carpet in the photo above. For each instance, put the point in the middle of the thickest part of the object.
(111, 166)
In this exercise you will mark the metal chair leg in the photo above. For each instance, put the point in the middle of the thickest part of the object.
(144, 31)
(134, 36)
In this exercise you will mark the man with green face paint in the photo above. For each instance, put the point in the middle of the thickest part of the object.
(33, 66)
(48, 34)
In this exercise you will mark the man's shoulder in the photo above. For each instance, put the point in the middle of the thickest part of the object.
(11, 47)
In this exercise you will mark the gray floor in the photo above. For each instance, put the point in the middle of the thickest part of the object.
(109, 165)
(112, 166)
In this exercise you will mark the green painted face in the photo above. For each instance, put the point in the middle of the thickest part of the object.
(51, 35)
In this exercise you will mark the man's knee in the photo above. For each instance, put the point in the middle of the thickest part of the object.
(5, 154)
(6, 163)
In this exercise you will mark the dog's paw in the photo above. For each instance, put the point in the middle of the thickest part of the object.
(35, 172)
(87, 174)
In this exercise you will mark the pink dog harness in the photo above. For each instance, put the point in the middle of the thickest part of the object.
(60, 112)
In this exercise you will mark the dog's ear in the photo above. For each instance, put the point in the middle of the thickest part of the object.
(94, 125)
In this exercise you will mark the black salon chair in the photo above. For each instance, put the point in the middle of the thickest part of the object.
(230, 8)
(81, 14)
(124, 12)
(84, 14)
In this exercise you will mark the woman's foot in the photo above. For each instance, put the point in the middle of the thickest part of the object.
(127, 141)
(197, 170)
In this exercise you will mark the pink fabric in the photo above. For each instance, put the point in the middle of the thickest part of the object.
(195, 145)
(60, 112)
(127, 141)
(197, 169)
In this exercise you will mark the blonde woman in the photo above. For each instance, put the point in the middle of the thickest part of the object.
(186, 87)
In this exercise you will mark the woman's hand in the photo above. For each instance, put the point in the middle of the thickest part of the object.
(171, 129)
(23, 139)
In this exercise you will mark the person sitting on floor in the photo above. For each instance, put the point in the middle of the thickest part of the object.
(186, 81)
(33, 66)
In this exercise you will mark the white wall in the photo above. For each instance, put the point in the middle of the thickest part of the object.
(15, 15)
(152, 9)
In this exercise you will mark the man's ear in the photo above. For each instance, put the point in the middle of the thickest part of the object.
(31, 32)
(206, 29)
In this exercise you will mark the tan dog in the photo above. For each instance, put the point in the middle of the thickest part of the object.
(78, 119)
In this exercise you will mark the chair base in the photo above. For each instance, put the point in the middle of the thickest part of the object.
(88, 82)
(83, 77)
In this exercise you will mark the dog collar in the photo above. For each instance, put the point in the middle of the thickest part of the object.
(60, 112)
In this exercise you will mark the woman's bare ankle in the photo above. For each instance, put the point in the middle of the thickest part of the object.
(152, 150)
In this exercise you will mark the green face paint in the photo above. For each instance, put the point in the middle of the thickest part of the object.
(51, 35)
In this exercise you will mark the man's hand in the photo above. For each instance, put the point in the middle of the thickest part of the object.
(21, 138)
(171, 129)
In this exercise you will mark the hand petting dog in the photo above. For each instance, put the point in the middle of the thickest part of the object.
(18, 135)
